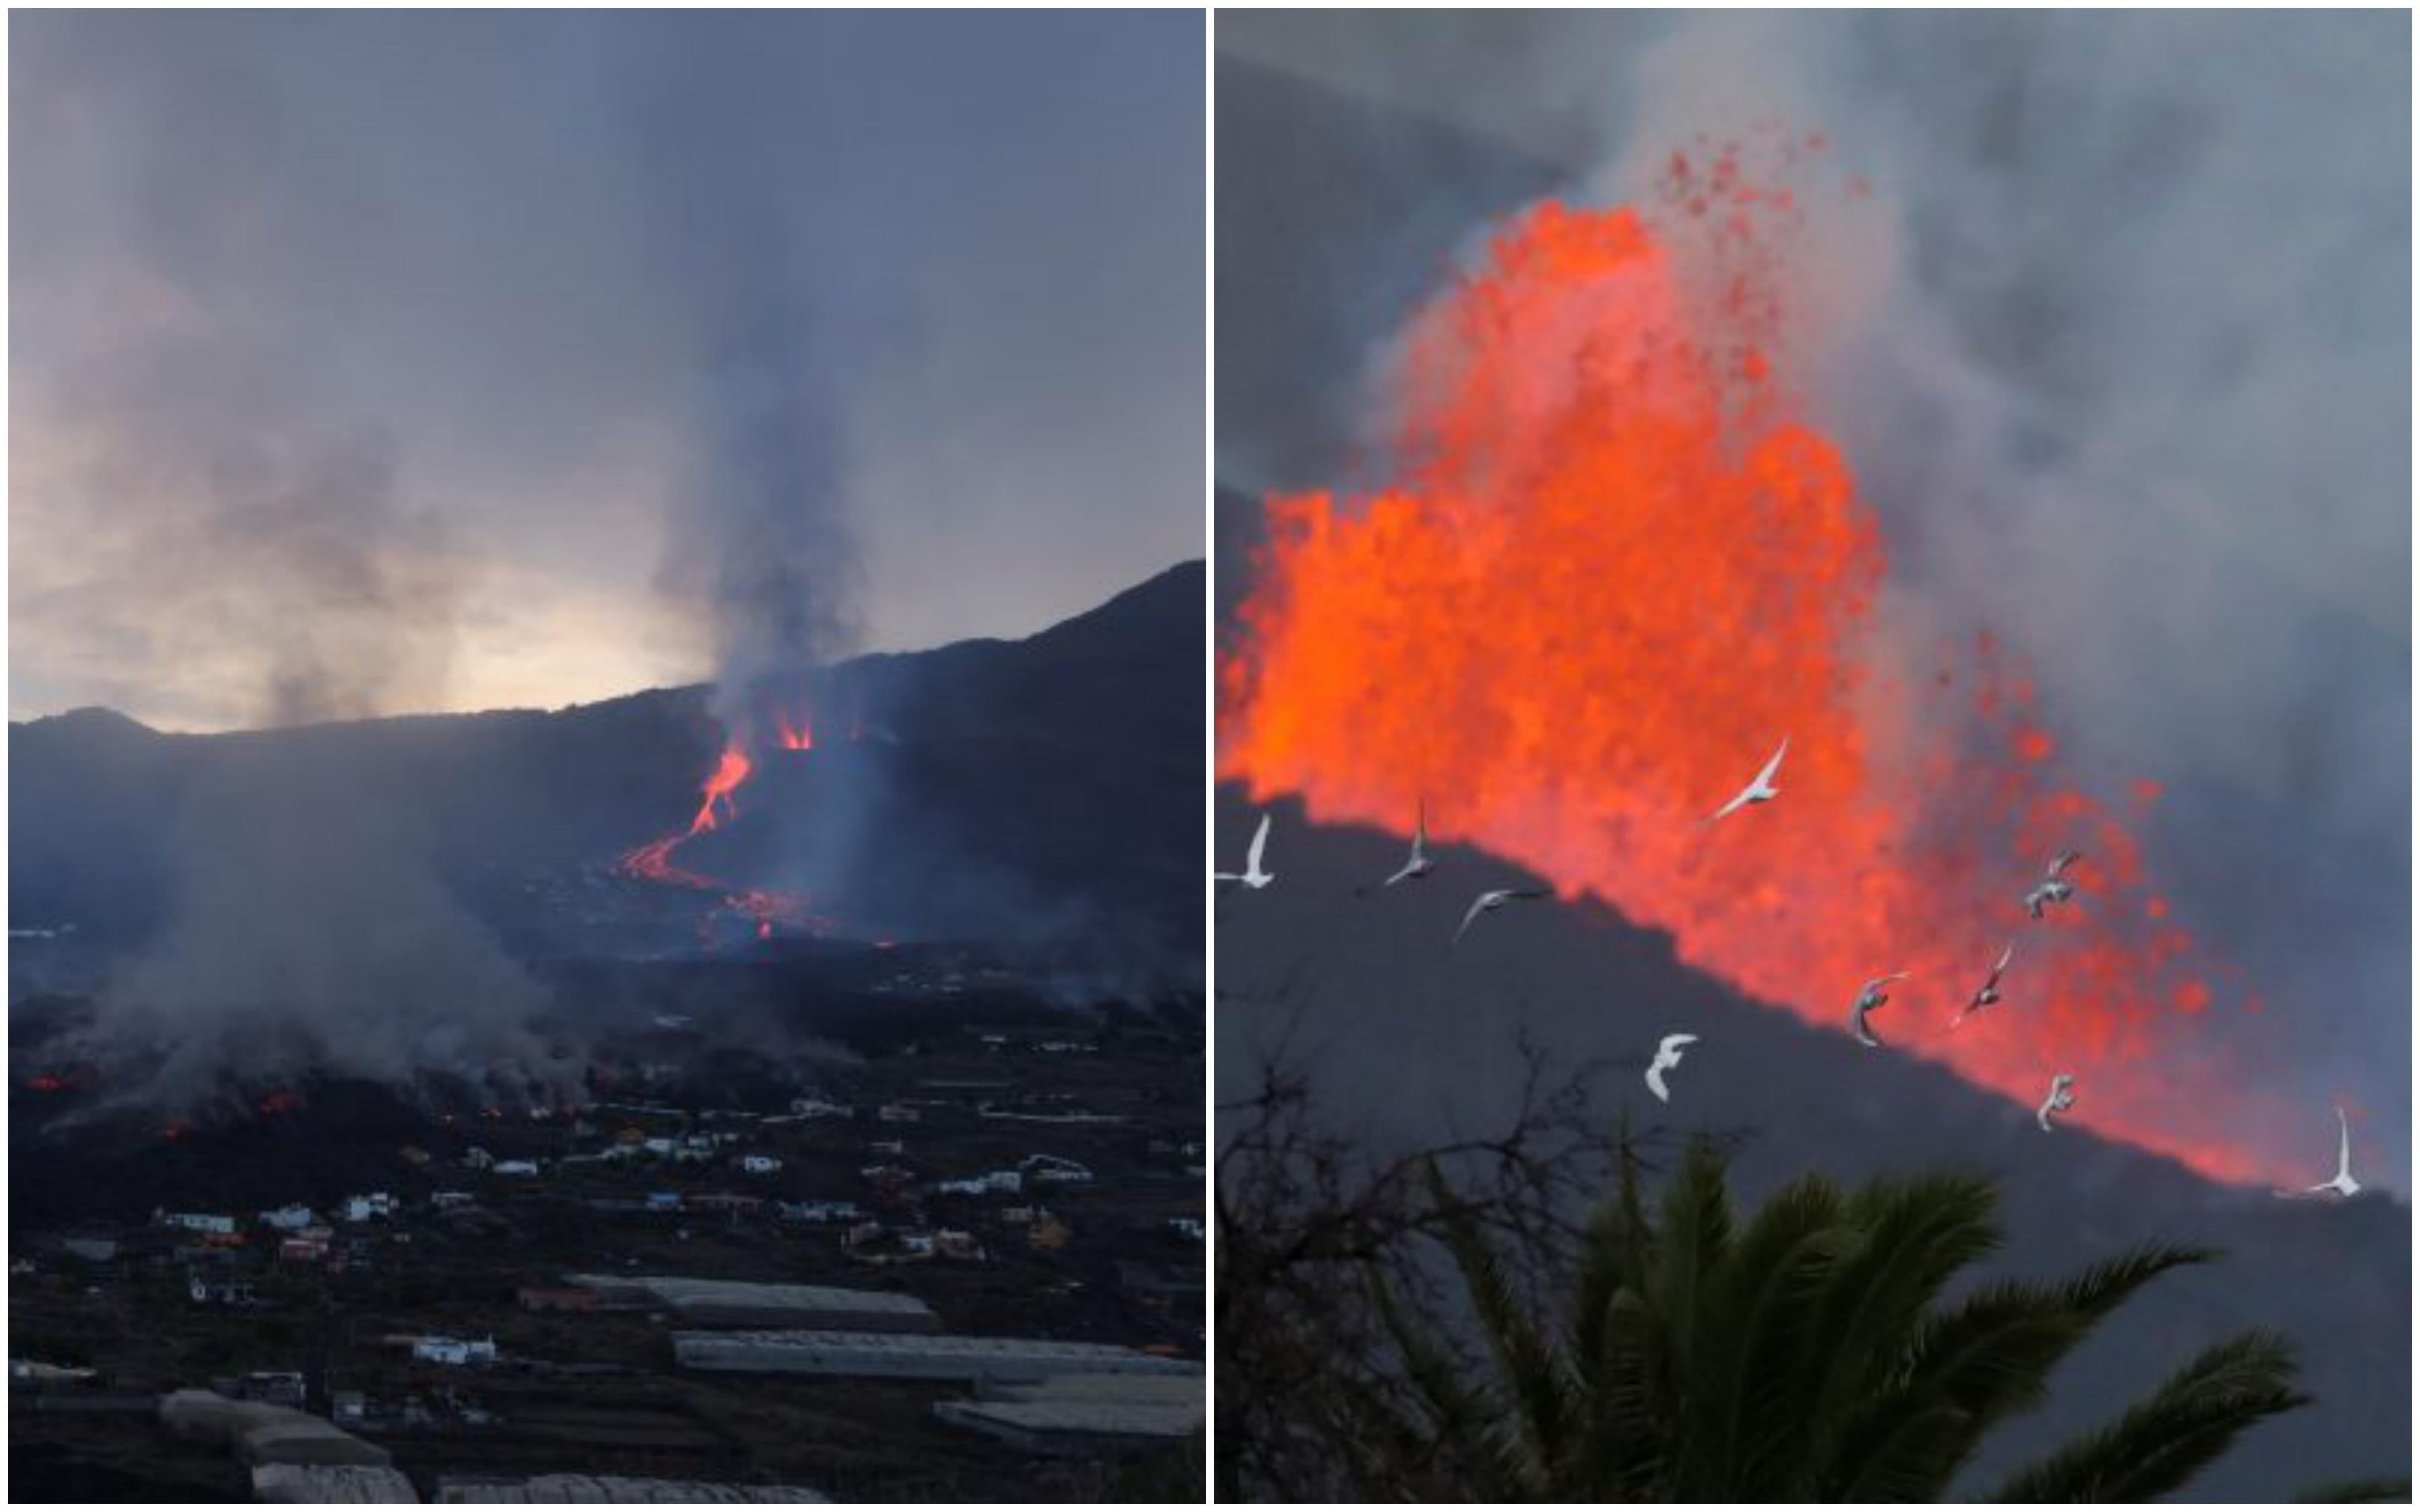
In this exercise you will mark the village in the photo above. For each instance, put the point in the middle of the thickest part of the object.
(965, 1263)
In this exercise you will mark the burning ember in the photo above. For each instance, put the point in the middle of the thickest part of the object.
(1616, 566)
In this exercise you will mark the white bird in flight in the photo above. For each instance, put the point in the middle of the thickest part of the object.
(1869, 996)
(1760, 791)
(2061, 1098)
(1251, 876)
(2340, 1186)
(2053, 888)
(1667, 1056)
(1989, 993)
(1420, 864)
(1488, 902)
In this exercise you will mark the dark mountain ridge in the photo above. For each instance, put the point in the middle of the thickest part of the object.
(1089, 732)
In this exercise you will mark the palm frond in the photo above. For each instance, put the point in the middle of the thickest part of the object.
(2156, 1446)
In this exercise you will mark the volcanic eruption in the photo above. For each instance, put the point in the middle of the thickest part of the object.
(1614, 565)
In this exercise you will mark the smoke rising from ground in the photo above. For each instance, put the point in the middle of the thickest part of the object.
(2118, 347)
(309, 933)
(762, 544)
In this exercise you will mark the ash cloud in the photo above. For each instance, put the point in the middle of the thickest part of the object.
(2119, 348)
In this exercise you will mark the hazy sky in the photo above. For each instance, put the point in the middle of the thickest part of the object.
(356, 360)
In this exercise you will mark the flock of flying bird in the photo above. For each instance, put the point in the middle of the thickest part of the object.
(2054, 887)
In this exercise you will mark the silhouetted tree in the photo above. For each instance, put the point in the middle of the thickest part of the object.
(1804, 1355)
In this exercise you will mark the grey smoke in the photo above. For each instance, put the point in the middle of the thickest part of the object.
(2119, 351)
(249, 518)
(310, 934)
(762, 542)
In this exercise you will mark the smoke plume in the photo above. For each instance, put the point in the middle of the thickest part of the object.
(761, 542)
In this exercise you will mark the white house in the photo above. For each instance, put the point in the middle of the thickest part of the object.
(516, 1167)
(816, 1211)
(1054, 1169)
(975, 1186)
(760, 1164)
(362, 1209)
(201, 1223)
(436, 1349)
(292, 1216)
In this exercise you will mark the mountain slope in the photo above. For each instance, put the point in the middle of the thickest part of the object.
(1063, 771)
(1408, 1042)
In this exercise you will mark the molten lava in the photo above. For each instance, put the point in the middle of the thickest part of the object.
(1614, 568)
(728, 774)
(718, 801)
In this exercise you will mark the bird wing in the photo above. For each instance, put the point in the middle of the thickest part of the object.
(2006, 956)
(2343, 1146)
(1259, 843)
(1408, 868)
(1655, 1082)
(1477, 908)
(1672, 1043)
(1765, 779)
(2064, 859)
(1728, 809)
(1421, 828)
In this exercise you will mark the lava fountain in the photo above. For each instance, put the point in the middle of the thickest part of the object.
(1614, 566)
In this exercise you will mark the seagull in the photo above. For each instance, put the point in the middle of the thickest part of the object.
(1869, 996)
(1489, 902)
(1989, 993)
(1251, 876)
(2060, 1099)
(1667, 1056)
(2054, 886)
(2340, 1186)
(1420, 864)
(1760, 791)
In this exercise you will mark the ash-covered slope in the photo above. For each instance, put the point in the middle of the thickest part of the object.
(1409, 1042)
(1060, 773)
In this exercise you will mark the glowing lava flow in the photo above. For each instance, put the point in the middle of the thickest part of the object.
(728, 774)
(1615, 569)
(717, 801)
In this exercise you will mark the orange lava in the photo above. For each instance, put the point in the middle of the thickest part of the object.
(765, 910)
(728, 774)
(1615, 567)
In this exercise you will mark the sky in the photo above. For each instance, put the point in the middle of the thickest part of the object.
(374, 362)
(2118, 350)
